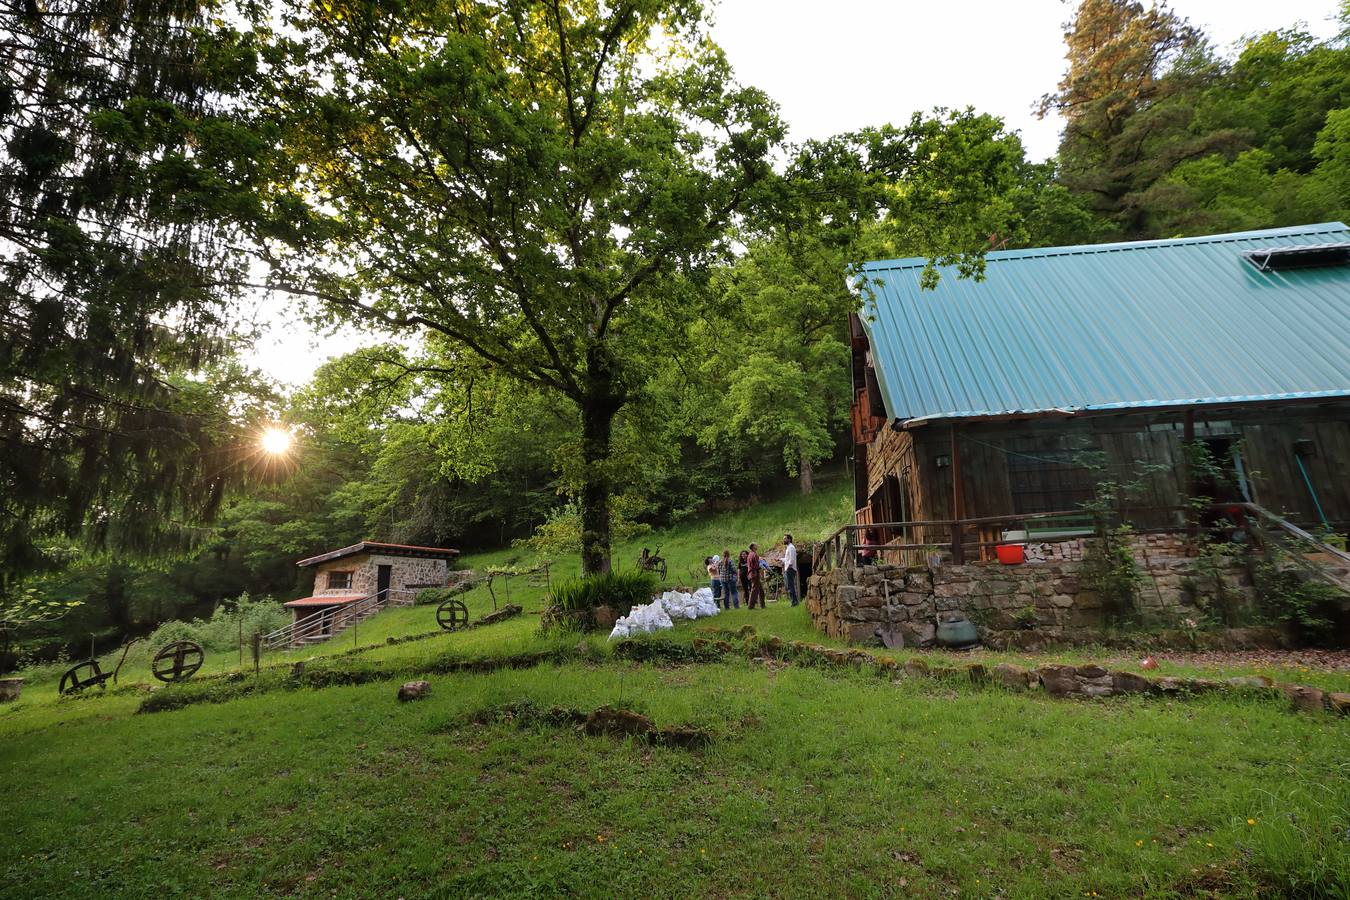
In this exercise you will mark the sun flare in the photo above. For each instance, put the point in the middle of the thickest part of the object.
(276, 440)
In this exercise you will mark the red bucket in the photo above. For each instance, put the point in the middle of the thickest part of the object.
(1011, 554)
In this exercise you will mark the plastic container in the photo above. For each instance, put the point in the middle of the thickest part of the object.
(1011, 554)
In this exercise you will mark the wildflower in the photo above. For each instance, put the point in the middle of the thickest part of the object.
(1208, 844)
(1139, 843)
(600, 838)
(1251, 821)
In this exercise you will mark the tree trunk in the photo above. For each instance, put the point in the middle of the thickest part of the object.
(598, 408)
(595, 432)
(807, 475)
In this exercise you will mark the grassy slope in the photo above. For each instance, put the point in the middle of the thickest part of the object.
(818, 783)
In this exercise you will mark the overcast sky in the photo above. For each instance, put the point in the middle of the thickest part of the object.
(839, 65)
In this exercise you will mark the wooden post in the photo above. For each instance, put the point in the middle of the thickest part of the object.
(1188, 442)
(257, 650)
(958, 500)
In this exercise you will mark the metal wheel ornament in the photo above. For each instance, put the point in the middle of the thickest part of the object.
(452, 615)
(177, 661)
(79, 677)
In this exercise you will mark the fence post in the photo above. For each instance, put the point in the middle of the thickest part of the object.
(257, 651)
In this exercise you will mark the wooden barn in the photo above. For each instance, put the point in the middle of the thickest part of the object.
(1064, 367)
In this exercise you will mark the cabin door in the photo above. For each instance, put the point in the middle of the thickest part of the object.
(382, 577)
(1225, 482)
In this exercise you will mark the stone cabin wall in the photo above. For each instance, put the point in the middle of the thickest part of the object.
(408, 573)
(1031, 604)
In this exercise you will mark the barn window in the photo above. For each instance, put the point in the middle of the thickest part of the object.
(340, 581)
(1047, 479)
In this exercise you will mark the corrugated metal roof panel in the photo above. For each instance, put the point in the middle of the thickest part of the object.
(1112, 326)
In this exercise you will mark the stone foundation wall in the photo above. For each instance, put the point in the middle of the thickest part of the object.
(1015, 606)
(407, 573)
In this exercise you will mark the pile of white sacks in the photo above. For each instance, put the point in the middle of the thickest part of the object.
(662, 612)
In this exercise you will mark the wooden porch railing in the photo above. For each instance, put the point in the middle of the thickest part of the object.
(327, 623)
(921, 537)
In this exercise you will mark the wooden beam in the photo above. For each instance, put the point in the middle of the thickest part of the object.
(958, 499)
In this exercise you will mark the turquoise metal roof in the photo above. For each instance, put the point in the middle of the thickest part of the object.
(1112, 326)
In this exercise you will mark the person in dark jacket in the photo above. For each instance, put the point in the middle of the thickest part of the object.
(754, 568)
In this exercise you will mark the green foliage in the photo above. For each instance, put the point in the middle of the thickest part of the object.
(1141, 779)
(123, 420)
(1292, 597)
(620, 591)
(1212, 592)
(777, 363)
(1110, 571)
(221, 632)
(560, 532)
(1165, 138)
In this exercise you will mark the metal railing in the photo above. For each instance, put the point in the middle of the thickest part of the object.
(333, 620)
(910, 543)
(1289, 533)
(917, 539)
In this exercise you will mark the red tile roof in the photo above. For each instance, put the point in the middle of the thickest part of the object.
(377, 547)
(330, 600)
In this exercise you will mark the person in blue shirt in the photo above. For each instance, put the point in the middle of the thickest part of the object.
(726, 572)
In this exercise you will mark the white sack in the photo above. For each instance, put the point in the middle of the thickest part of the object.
(642, 620)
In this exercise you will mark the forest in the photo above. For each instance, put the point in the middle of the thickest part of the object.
(600, 296)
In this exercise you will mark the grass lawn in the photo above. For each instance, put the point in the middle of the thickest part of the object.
(815, 783)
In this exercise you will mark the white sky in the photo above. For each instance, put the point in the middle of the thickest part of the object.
(843, 64)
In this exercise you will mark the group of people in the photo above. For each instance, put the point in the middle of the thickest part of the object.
(733, 575)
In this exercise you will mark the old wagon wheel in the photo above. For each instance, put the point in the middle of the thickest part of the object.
(73, 681)
(660, 568)
(452, 614)
(177, 661)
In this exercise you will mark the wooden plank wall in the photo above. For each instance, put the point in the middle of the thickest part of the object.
(1144, 447)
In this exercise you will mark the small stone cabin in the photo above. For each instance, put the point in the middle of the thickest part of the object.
(344, 576)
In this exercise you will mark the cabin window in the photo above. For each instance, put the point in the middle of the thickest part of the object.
(339, 581)
(890, 503)
(1047, 479)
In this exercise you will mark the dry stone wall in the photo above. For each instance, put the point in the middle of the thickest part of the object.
(1015, 606)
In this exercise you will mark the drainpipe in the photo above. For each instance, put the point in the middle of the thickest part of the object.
(1302, 448)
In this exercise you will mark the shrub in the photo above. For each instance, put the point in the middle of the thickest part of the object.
(1288, 596)
(1110, 571)
(573, 603)
(618, 590)
(221, 631)
(436, 596)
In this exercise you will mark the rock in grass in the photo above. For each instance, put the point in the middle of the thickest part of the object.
(1302, 696)
(916, 668)
(1059, 680)
(1012, 677)
(1130, 683)
(414, 690)
(607, 720)
(1251, 682)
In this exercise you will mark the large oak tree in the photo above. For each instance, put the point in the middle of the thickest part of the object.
(543, 184)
